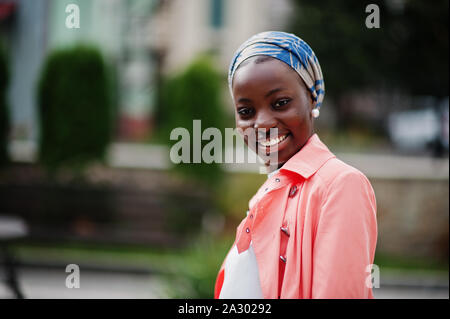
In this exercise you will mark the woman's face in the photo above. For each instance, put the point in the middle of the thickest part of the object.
(269, 95)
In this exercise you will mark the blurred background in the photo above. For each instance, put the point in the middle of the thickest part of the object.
(87, 106)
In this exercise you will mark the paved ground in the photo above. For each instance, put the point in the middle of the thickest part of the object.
(411, 293)
(50, 284)
(42, 283)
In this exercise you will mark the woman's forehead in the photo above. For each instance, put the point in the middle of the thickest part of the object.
(268, 72)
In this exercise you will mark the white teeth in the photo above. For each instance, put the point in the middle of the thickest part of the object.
(273, 141)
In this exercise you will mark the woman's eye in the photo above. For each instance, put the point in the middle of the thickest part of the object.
(244, 111)
(280, 103)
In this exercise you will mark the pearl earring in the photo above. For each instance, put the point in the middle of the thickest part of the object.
(315, 113)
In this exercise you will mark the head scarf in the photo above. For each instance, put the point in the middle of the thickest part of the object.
(288, 48)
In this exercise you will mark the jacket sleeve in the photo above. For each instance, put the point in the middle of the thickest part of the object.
(345, 239)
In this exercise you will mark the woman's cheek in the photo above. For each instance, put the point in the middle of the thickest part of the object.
(249, 140)
(245, 131)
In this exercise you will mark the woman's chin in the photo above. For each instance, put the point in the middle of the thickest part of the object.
(274, 159)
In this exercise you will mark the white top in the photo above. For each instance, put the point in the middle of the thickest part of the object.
(241, 276)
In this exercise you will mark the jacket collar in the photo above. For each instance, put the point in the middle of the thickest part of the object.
(309, 159)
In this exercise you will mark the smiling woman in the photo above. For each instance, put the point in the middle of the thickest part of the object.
(311, 229)
(271, 95)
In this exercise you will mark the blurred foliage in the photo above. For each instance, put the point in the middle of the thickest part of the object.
(4, 113)
(238, 189)
(408, 52)
(195, 94)
(193, 272)
(410, 262)
(75, 109)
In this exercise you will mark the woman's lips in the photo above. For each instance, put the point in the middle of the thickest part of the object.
(274, 145)
(273, 141)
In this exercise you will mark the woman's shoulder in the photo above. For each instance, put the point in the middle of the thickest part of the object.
(335, 171)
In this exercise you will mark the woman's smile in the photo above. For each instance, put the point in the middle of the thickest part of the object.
(273, 141)
(273, 145)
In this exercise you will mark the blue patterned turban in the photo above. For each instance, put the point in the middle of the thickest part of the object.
(288, 48)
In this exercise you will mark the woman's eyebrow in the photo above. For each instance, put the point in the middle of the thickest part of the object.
(247, 100)
(244, 100)
(273, 91)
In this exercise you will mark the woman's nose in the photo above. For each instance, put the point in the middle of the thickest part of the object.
(264, 121)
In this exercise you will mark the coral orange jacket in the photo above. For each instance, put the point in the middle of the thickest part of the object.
(313, 229)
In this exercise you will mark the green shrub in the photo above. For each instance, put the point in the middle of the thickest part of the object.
(75, 109)
(4, 114)
(195, 94)
(192, 273)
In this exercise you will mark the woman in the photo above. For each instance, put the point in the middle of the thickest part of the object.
(311, 229)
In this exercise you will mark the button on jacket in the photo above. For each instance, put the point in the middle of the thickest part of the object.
(313, 229)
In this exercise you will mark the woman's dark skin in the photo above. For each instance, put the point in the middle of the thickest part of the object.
(270, 94)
